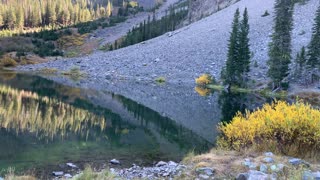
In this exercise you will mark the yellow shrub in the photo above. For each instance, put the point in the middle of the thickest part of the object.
(204, 79)
(202, 91)
(7, 61)
(291, 129)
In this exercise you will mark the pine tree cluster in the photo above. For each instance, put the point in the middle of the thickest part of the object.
(238, 59)
(17, 14)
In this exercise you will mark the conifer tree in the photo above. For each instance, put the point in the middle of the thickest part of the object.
(244, 52)
(280, 47)
(232, 73)
(314, 45)
(1, 20)
(301, 57)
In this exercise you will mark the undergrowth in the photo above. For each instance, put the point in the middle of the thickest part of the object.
(288, 129)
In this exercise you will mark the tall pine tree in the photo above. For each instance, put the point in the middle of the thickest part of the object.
(231, 72)
(238, 60)
(280, 47)
(244, 47)
(314, 46)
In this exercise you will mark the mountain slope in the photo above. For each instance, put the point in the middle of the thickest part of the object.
(198, 48)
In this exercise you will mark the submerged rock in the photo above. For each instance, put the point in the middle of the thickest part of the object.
(57, 173)
(115, 162)
(67, 176)
(71, 165)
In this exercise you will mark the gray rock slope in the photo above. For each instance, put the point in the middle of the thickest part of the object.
(195, 49)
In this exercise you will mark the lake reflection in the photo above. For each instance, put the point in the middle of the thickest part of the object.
(43, 124)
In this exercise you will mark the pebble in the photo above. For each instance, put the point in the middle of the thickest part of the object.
(206, 170)
(115, 162)
(203, 176)
(71, 165)
(263, 168)
(57, 173)
(316, 175)
(67, 176)
(268, 160)
(161, 163)
(268, 154)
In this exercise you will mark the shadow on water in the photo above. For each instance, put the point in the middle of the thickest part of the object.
(44, 125)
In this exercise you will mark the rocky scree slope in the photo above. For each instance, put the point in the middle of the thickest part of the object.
(203, 8)
(201, 47)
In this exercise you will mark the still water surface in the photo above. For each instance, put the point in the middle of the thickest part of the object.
(44, 124)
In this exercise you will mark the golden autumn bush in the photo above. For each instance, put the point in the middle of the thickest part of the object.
(290, 129)
(204, 79)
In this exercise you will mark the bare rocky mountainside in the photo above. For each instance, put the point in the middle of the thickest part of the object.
(202, 8)
(201, 47)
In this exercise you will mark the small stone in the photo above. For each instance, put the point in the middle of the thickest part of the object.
(268, 154)
(242, 176)
(71, 165)
(257, 175)
(297, 161)
(247, 162)
(206, 170)
(316, 175)
(253, 166)
(161, 163)
(57, 173)
(203, 176)
(115, 162)
(274, 168)
(171, 163)
(67, 176)
(263, 168)
(307, 175)
(280, 167)
(268, 160)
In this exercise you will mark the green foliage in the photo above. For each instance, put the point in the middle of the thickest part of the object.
(280, 46)
(51, 13)
(89, 174)
(46, 48)
(301, 58)
(238, 60)
(314, 45)
(152, 28)
(160, 80)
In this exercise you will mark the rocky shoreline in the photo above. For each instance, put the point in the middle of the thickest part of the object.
(264, 167)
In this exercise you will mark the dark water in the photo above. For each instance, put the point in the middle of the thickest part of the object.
(44, 125)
